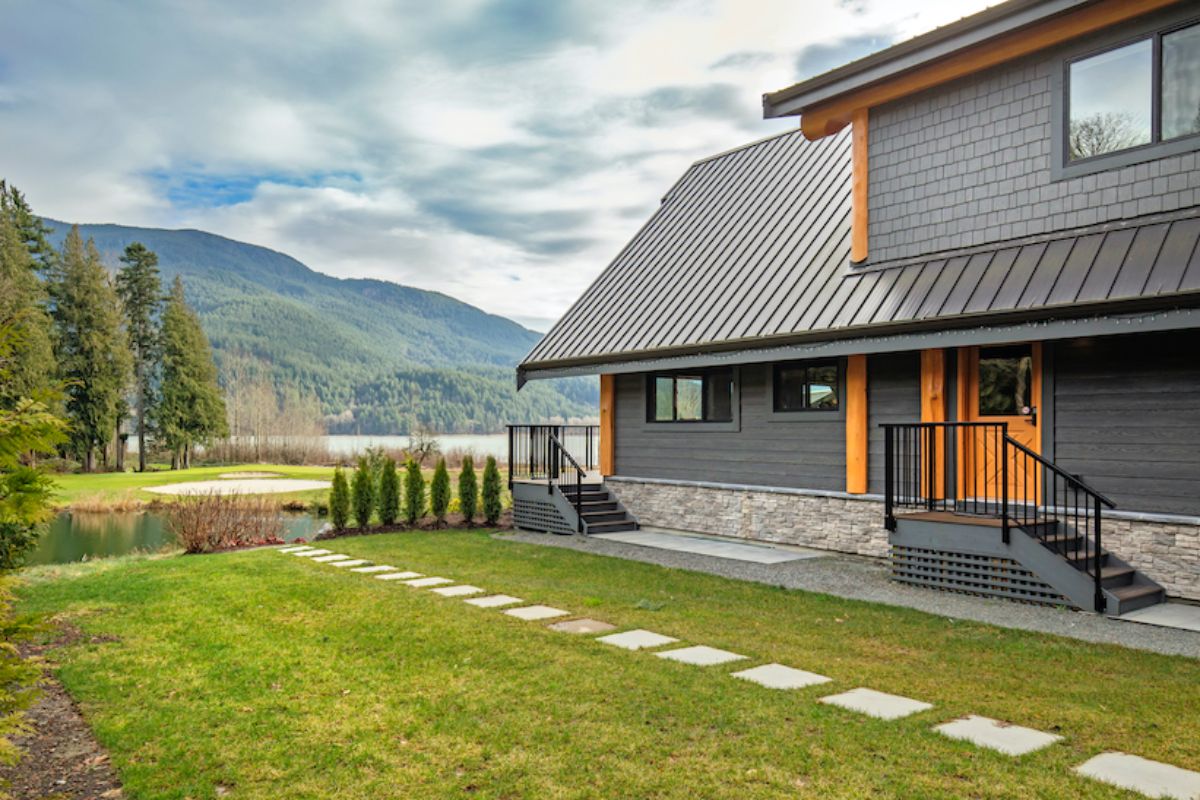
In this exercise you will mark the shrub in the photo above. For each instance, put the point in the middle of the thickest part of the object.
(468, 490)
(389, 493)
(18, 676)
(339, 499)
(209, 522)
(414, 492)
(362, 494)
(439, 491)
(491, 492)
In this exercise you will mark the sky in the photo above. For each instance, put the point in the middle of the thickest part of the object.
(500, 151)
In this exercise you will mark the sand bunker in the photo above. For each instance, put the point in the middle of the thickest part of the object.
(249, 474)
(241, 486)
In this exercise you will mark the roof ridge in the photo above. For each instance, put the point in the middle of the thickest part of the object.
(746, 146)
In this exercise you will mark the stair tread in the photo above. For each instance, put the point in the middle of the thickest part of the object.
(1130, 592)
(1116, 572)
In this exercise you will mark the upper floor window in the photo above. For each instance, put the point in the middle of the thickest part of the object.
(806, 386)
(1136, 94)
(701, 396)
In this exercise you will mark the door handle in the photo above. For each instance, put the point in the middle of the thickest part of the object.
(1031, 413)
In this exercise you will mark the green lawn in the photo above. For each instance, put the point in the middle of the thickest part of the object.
(118, 485)
(273, 676)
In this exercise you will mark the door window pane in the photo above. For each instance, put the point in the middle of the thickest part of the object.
(1005, 381)
(719, 400)
(689, 398)
(1181, 82)
(1111, 100)
(664, 399)
(789, 388)
(822, 388)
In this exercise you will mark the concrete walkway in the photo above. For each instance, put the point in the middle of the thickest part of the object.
(698, 544)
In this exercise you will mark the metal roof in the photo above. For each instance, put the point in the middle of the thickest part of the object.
(751, 249)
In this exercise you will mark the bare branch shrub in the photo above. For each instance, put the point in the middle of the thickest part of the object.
(206, 523)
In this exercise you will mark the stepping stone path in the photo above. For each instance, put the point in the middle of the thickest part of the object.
(422, 583)
(295, 548)
(374, 568)
(700, 655)
(582, 626)
(1151, 778)
(311, 553)
(532, 613)
(777, 676)
(327, 559)
(354, 562)
(398, 576)
(1009, 739)
(493, 601)
(637, 639)
(457, 591)
(876, 704)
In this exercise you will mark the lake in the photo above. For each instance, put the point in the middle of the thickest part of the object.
(481, 444)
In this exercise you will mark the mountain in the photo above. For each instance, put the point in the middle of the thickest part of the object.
(380, 357)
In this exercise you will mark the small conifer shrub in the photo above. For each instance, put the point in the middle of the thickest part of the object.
(491, 492)
(468, 490)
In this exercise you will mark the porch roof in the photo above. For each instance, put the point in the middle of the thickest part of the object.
(750, 249)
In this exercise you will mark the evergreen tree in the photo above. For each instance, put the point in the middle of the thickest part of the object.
(414, 492)
(141, 293)
(339, 500)
(33, 231)
(439, 492)
(492, 504)
(468, 490)
(362, 494)
(191, 409)
(389, 493)
(29, 362)
(90, 346)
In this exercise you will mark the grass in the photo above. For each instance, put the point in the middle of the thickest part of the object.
(269, 675)
(106, 489)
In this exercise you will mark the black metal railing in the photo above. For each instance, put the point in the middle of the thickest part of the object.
(568, 476)
(529, 449)
(976, 468)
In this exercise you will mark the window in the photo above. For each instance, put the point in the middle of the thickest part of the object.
(702, 396)
(806, 386)
(1136, 94)
(1005, 381)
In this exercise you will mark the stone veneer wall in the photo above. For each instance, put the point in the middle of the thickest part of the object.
(1166, 551)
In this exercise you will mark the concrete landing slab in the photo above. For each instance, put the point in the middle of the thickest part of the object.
(457, 591)
(1151, 778)
(354, 562)
(398, 576)
(993, 734)
(422, 583)
(331, 557)
(533, 613)
(777, 676)
(311, 553)
(493, 601)
(637, 639)
(1167, 615)
(582, 626)
(876, 704)
(296, 548)
(374, 568)
(700, 655)
(718, 547)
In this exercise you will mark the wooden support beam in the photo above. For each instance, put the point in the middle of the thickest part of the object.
(856, 424)
(933, 409)
(608, 424)
(858, 191)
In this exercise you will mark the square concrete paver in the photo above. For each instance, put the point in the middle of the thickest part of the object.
(311, 553)
(493, 601)
(777, 676)
(374, 568)
(532, 613)
(637, 639)
(457, 591)
(1168, 615)
(354, 562)
(1010, 739)
(296, 548)
(331, 557)
(1151, 778)
(876, 704)
(582, 626)
(700, 655)
(398, 576)
(422, 583)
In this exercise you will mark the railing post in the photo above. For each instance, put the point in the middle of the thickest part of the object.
(1004, 534)
(1099, 583)
(510, 457)
(889, 517)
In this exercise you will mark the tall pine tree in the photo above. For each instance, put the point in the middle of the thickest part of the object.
(190, 410)
(29, 359)
(141, 295)
(90, 346)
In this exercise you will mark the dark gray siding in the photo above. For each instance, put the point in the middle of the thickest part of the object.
(1127, 414)
(808, 454)
(893, 395)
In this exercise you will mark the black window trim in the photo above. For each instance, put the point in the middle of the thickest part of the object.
(650, 392)
(807, 364)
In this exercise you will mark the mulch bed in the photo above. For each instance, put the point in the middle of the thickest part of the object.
(453, 522)
(61, 759)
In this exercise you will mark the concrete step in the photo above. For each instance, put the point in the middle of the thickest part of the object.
(1136, 596)
(612, 527)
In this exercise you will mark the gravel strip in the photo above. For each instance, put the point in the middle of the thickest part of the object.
(860, 578)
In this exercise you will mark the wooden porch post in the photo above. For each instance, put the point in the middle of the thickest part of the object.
(608, 423)
(856, 424)
(933, 408)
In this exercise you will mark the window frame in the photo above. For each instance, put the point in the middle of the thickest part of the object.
(1063, 167)
(807, 364)
(650, 390)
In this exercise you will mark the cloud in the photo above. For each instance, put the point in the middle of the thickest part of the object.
(822, 57)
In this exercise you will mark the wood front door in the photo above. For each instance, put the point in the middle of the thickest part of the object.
(1000, 384)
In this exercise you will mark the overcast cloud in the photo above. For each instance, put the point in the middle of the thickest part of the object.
(499, 151)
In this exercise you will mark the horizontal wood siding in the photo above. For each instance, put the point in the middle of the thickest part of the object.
(807, 454)
(893, 395)
(1127, 418)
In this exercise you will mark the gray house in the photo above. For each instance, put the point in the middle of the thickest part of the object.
(951, 321)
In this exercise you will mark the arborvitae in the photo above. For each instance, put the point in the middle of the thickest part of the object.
(389, 493)
(491, 492)
(468, 490)
(414, 492)
(339, 499)
(362, 494)
(90, 346)
(141, 296)
(191, 409)
(30, 361)
(439, 492)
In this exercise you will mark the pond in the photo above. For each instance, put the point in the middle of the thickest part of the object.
(76, 536)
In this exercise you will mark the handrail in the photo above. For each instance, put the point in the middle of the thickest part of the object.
(556, 479)
(540, 453)
(1048, 464)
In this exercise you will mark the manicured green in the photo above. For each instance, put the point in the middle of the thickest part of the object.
(116, 486)
(273, 676)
